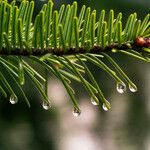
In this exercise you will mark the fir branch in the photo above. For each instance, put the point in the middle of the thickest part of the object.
(52, 32)
(61, 41)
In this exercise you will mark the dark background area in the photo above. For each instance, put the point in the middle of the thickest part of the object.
(125, 126)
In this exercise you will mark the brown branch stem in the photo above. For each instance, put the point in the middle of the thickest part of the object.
(70, 51)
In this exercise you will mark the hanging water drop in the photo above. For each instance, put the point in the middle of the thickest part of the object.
(76, 112)
(106, 105)
(46, 105)
(13, 99)
(121, 87)
(94, 101)
(132, 88)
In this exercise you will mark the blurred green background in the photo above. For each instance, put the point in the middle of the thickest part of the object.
(125, 127)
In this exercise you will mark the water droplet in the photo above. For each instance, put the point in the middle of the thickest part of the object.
(46, 105)
(13, 99)
(76, 112)
(106, 105)
(121, 87)
(132, 88)
(94, 101)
